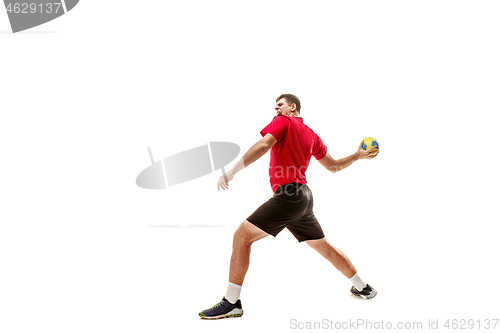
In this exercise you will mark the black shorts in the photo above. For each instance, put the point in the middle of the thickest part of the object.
(291, 207)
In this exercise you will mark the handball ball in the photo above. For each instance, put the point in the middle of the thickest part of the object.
(370, 142)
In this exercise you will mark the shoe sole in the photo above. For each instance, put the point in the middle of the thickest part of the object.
(202, 316)
(365, 296)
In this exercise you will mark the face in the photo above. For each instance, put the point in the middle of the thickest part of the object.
(284, 108)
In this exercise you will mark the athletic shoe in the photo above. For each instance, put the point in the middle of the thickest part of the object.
(367, 292)
(223, 309)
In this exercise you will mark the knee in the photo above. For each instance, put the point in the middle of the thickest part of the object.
(317, 243)
(242, 237)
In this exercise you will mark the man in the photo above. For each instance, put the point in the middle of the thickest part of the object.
(292, 144)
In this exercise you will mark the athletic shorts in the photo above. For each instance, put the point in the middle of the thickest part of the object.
(291, 207)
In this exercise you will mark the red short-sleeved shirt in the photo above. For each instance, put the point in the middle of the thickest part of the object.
(290, 156)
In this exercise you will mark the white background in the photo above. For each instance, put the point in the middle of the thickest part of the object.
(83, 249)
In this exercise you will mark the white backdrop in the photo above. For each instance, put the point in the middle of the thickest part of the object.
(83, 249)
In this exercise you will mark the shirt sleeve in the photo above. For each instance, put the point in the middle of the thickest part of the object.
(277, 127)
(319, 149)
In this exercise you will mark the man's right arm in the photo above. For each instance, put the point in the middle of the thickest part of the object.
(336, 165)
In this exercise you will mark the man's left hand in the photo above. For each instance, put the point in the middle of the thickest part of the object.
(224, 180)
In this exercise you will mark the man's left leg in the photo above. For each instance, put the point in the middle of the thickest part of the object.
(243, 238)
(230, 306)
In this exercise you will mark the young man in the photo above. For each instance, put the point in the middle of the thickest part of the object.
(293, 143)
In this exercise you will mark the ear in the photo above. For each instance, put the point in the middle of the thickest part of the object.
(293, 107)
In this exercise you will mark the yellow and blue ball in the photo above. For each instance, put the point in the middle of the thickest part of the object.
(370, 142)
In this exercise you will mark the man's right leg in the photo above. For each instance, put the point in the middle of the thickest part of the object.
(333, 255)
(344, 265)
(230, 306)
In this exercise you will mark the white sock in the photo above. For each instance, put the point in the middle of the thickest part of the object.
(357, 282)
(233, 292)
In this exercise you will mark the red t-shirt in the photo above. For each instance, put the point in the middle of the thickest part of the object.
(290, 156)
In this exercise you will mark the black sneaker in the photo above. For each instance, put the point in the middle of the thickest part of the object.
(223, 309)
(367, 292)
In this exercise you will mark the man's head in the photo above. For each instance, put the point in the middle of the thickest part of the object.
(288, 105)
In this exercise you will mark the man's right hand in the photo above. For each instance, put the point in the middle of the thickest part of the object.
(367, 154)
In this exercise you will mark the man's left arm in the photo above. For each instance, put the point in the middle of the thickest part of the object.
(252, 155)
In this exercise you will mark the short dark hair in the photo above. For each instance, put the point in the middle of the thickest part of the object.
(291, 99)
